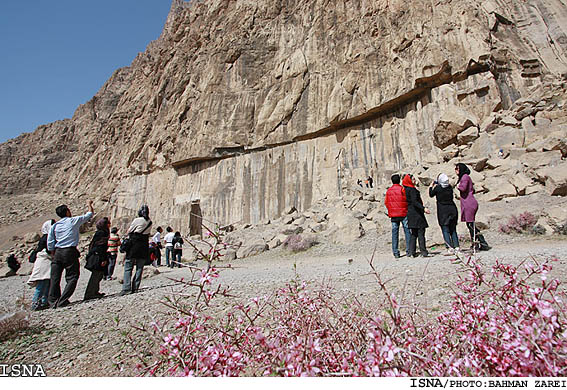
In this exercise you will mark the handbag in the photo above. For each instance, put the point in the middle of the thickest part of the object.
(93, 262)
(126, 245)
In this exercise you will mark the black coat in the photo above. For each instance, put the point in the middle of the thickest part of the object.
(416, 210)
(447, 213)
(99, 244)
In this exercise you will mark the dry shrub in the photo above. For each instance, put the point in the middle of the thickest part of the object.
(523, 223)
(13, 323)
(298, 242)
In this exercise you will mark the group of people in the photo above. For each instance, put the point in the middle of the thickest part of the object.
(57, 249)
(406, 207)
(57, 253)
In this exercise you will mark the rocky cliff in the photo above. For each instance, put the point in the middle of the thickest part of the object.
(255, 106)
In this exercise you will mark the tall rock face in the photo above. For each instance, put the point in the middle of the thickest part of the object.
(255, 106)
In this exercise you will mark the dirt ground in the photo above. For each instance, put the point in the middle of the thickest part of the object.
(87, 338)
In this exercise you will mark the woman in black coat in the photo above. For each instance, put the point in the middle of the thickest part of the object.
(98, 246)
(416, 217)
(447, 214)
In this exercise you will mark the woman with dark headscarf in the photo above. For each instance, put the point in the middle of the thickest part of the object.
(469, 205)
(139, 253)
(447, 214)
(416, 217)
(98, 247)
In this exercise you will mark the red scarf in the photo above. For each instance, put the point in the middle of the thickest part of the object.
(407, 182)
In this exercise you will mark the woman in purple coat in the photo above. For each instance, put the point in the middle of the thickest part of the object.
(469, 206)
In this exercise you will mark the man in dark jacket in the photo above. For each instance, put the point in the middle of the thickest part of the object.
(397, 211)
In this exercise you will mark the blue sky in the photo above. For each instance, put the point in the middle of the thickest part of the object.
(56, 54)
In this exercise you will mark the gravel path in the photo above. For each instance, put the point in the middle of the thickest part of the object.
(86, 338)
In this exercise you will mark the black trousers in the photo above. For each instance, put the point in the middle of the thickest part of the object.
(65, 259)
(419, 235)
(94, 284)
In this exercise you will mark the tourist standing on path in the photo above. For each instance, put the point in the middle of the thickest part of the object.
(113, 245)
(169, 246)
(397, 206)
(447, 214)
(156, 239)
(139, 253)
(416, 217)
(41, 272)
(98, 246)
(63, 239)
(469, 206)
(177, 250)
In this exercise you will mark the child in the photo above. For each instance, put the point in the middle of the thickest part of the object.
(39, 279)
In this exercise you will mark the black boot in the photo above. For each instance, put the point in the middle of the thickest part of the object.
(483, 244)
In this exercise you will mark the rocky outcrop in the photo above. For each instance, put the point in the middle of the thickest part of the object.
(254, 107)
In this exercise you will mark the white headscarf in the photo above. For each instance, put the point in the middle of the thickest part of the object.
(443, 180)
(45, 227)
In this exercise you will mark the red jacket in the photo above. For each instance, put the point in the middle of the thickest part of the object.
(396, 202)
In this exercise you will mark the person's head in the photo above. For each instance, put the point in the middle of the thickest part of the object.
(114, 230)
(47, 226)
(443, 180)
(396, 179)
(63, 211)
(169, 229)
(461, 169)
(159, 229)
(144, 212)
(408, 181)
(103, 224)
(177, 234)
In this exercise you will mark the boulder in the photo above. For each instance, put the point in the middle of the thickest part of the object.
(30, 238)
(531, 132)
(508, 121)
(363, 207)
(516, 153)
(344, 227)
(506, 137)
(452, 122)
(520, 182)
(292, 230)
(489, 124)
(482, 147)
(449, 153)
(498, 189)
(287, 219)
(478, 164)
(275, 242)
(229, 255)
(467, 136)
(251, 250)
(317, 227)
(535, 160)
(555, 178)
(548, 144)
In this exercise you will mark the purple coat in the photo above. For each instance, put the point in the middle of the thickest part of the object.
(469, 205)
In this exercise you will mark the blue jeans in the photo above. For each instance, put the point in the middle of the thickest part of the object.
(396, 235)
(450, 235)
(168, 253)
(132, 284)
(41, 293)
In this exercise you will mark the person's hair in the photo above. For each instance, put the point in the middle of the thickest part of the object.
(159, 229)
(144, 212)
(396, 179)
(114, 230)
(169, 229)
(61, 211)
(177, 234)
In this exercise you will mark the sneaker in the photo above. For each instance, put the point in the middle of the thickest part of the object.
(425, 255)
(397, 256)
